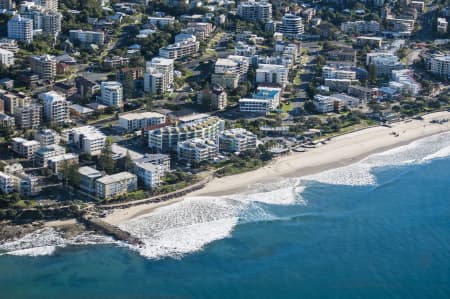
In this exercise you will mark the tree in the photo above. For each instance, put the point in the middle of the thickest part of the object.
(127, 162)
(105, 160)
(128, 86)
(148, 102)
(70, 174)
(372, 73)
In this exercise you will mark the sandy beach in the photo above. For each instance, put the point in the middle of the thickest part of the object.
(340, 151)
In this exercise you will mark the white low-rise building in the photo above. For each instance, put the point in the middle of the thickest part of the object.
(442, 25)
(272, 74)
(24, 148)
(88, 139)
(237, 140)
(180, 50)
(88, 176)
(6, 57)
(47, 137)
(137, 121)
(43, 154)
(266, 99)
(165, 139)
(148, 174)
(197, 150)
(405, 81)
(56, 163)
(112, 186)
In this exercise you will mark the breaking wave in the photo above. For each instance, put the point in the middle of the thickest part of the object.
(46, 240)
(362, 173)
(189, 225)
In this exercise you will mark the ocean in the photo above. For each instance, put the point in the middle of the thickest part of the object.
(379, 228)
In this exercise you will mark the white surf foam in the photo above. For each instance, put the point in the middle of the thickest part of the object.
(189, 225)
(45, 241)
(361, 173)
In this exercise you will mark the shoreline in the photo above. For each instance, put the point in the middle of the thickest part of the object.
(341, 151)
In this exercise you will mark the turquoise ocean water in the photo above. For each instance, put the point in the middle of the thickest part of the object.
(376, 229)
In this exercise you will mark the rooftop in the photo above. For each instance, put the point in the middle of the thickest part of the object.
(109, 179)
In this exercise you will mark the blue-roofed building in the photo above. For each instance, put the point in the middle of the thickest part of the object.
(266, 99)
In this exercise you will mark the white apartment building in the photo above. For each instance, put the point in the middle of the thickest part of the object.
(148, 174)
(272, 74)
(237, 140)
(112, 93)
(233, 64)
(442, 25)
(51, 22)
(255, 10)
(111, 186)
(180, 50)
(138, 121)
(335, 102)
(44, 153)
(266, 99)
(158, 77)
(333, 72)
(88, 176)
(291, 26)
(439, 64)
(6, 57)
(360, 27)
(243, 49)
(56, 163)
(24, 148)
(197, 150)
(88, 139)
(161, 21)
(326, 104)
(56, 108)
(254, 105)
(47, 137)
(372, 41)
(8, 183)
(406, 80)
(50, 5)
(164, 140)
(87, 37)
(384, 63)
(28, 117)
(20, 29)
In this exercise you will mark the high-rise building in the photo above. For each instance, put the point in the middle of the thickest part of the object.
(6, 4)
(218, 97)
(255, 11)
(28, 117)
(56, 108)
(44, 66)
(158, 77)
(291, 26)
(112, 93)
(6, 57)
(20, 29)
(50, 5)
(51, 22)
